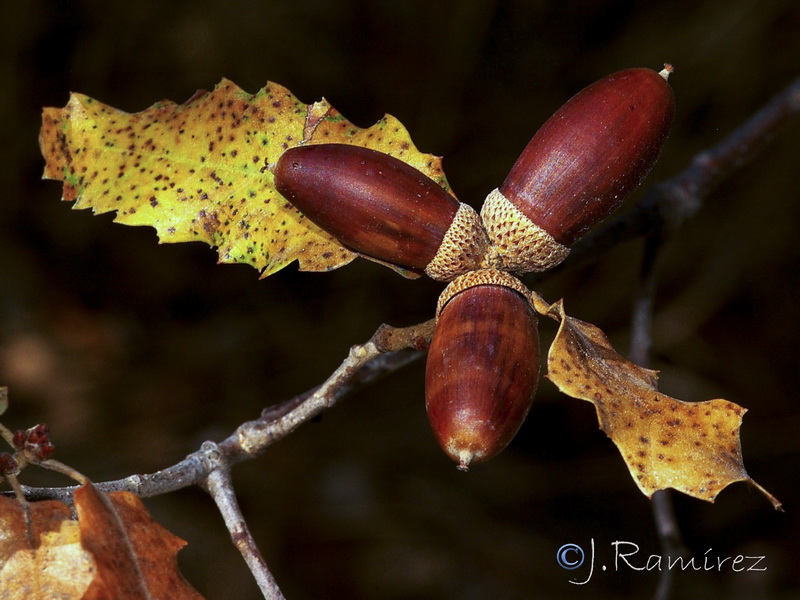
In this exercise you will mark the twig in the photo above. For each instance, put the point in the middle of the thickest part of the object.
(220, 487)
(253, 437)
(388, 350)
(642, 308)
(669, 537)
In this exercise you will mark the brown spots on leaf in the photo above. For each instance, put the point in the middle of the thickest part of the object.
(633, 412)
(184, 147)
(209, 221)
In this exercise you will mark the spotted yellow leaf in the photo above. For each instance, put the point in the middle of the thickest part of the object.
(200, 171)
(692, 447)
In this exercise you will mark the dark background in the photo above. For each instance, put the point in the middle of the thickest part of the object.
(135, 353)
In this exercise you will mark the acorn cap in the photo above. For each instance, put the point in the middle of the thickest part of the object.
(517, 243)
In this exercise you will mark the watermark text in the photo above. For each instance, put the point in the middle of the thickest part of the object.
(627, 555)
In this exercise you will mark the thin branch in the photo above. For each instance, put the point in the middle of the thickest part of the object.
(670, 539)
(389, 349)
(667, 206)
(189, 471)
(642, 309)
(253, 437)
(220, 487)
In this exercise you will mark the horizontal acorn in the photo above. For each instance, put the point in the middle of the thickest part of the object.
(578, 168)
(483, 365)
(382, 207)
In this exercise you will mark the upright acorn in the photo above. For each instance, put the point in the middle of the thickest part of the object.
(382, 208)
(483, 365)
(578, 168)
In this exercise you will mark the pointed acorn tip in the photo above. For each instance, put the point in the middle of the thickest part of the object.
(464, 458)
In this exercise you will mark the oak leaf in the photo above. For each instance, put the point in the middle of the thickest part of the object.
(48, 563)
(113, 550)
(200, 171)
(692, 447)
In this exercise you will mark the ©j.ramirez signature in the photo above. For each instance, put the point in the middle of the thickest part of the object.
(627, 556)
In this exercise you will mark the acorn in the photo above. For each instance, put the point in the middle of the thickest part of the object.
(578, 168)
(483, 365)
(382, 208)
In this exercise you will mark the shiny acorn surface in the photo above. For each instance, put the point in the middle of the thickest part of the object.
(592, 153)
(482, 371)
(371, 202)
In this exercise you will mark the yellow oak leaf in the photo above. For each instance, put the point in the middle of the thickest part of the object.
(200, 171)
(692, 447)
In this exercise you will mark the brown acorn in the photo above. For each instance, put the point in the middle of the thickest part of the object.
(578, 168)
(483, 365)
(382, 208)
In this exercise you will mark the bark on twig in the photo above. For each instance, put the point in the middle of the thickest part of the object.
(220, 487)
(389, 349)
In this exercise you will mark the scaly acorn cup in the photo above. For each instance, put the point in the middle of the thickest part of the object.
(382, 208)
(483, 365)
(578, 168)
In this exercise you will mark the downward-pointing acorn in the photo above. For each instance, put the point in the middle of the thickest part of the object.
(579, 167)
(382, 208)
(483, 365)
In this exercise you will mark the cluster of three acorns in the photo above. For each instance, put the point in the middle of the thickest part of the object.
(483, 362)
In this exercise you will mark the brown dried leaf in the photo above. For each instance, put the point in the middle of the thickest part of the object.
(135, 557)
(115, 550)
(693, 447)
(55, 566)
